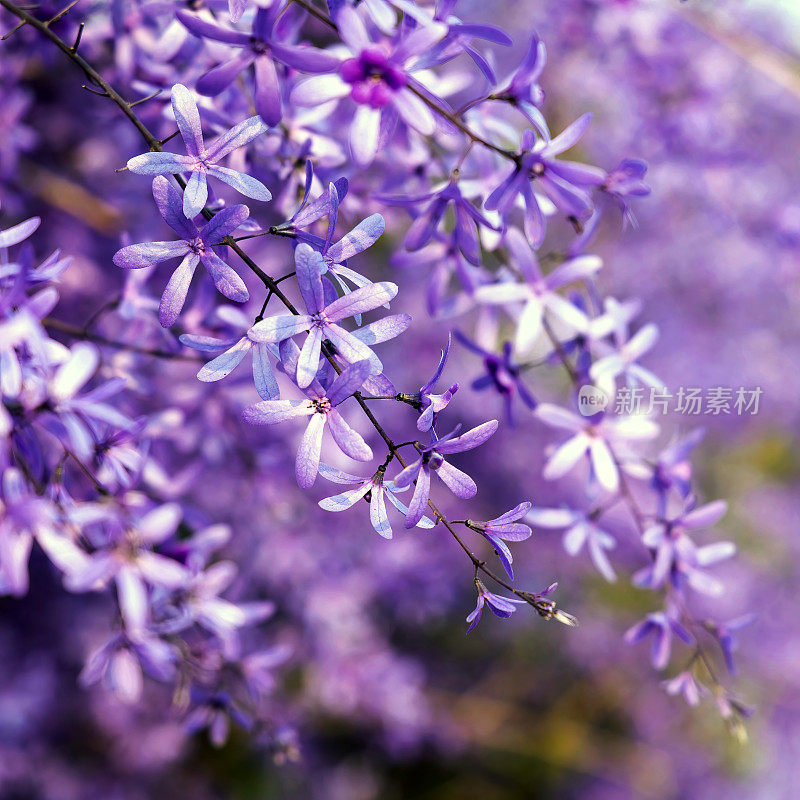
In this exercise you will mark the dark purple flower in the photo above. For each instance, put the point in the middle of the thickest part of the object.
(627, 180)
(500, 606)
(503, 374)
(661, 625)
(467, 220)
(432, 403)
(522, 89)
(377, 78)
(262, 49)
(195, 247)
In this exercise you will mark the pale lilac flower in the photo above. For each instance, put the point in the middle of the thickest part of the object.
(336, 254)
(129, 561)
(195, 247)
(379, 491)
(18, 233)
(25, 517)
(321, 407)
(377, 78)
(198, 602)
(323, 315)
(202, 161)
(431, 460)
(231, 353)
(622, 359)
(594, 439)
(260, 48)
(677, 557)
(565, 183)
(538, 292)
(73, 417)
(505, 527)
(500, 606)
(581, 531)
(685, 684)
(662, 625)
(120, 662)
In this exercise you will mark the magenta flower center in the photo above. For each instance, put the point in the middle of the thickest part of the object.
(374, 79)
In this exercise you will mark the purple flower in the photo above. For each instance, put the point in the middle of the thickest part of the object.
(195, 247)
(119, 663)
(726, 637)
(198, 602)
(321, 407)
(523, 90)
(336, 254)
(444, 262)
(378, 79)
(434, 403)
(538, 293)
(677, 557)
(73, 418)
(323, 315)
(24, 517)
(627, 180)
(467, 220)
(127, 558)
(581, 531)
(379, 491)
(564, 182)
(622, 360)
(431, 460)
(19, 233)
(505, 527)
(213, 712)
(202, 161)
(262, 49)
(661, 625)
(594, 439)
(500, 606)
(685, 684)
(231, 353)
(502, 375)
(673, 469)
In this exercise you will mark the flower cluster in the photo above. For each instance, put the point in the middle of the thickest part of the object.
(74, 486)
(356, 123)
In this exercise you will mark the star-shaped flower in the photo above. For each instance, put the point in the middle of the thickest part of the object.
(323, 317)
(195, 247)
(202, 161)
(320, 406)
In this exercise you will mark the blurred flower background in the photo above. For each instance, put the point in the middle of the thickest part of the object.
(388, 698)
